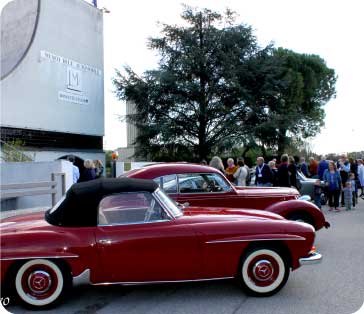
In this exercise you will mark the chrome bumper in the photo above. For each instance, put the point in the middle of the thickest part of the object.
(312, 258)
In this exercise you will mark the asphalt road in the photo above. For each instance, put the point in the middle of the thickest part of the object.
(336, 286)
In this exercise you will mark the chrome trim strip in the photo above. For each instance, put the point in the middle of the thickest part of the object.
(32, 257)
(312, 258)
(249, 240)
(132, 223)
(134, 283)
(161, 203)
(82, 279)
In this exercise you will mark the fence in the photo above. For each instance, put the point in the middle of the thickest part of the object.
(15, 190)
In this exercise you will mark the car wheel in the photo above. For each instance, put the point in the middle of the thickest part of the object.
(40, 283)
(263, 271)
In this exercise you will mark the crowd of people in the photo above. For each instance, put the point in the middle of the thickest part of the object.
(338, 181)
(93, 169)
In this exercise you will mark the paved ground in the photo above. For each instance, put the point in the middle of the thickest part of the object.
(336, 286)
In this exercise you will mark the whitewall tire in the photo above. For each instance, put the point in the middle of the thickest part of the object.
(39, 283)
(263, 271)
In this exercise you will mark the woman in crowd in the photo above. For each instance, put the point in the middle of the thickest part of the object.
(333, 185)
(89, 173)
(241, 174)
(273, 168)
(292, 171)
(216, 163)
(99, 168)
(230, 170)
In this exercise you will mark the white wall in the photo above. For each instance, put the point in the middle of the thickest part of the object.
(54, 155)
(26, 172)
(30, 95)
(133, 165)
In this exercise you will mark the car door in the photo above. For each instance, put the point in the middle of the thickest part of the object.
(136, 245)
(205, 189)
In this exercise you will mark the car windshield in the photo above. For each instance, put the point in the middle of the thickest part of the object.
(169, 203)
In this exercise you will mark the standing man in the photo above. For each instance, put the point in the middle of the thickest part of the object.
(282, 173)
(263, 174)
(322, 166)
(312, 168)
(303, 167)
(75, 170)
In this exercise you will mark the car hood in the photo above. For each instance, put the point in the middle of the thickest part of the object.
(267, 191)
(226, 214)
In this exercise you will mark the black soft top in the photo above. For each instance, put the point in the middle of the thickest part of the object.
(79, 208)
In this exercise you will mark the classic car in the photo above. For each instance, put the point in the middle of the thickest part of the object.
(199, 185)
(306, 186)
(128, 231)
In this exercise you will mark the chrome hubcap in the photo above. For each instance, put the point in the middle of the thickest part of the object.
(39, 282)
(263, 270)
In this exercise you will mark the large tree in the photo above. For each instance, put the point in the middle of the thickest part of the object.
(215, 87)
(195, 97)
(291, 108)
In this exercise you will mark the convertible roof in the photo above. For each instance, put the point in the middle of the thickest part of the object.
(79, 208)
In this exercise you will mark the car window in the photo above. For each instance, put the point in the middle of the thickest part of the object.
(168, 183)
(202, 183)
(130, 208)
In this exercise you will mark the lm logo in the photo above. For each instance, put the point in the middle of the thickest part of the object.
(74, 79)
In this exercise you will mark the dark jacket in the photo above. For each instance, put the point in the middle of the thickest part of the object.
(292, 169)
(267, 176)
(304, 169)
(88, 174)
(283, 176)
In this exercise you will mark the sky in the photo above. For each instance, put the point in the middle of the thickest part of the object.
(331, 29)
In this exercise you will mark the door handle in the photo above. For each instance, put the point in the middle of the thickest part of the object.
(105, 241)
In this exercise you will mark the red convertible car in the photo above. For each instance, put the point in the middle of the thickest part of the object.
(128, 231)
(199, 185)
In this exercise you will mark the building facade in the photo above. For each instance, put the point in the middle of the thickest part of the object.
(52, 78)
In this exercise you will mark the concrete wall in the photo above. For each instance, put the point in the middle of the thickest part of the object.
(26, 172)
(59, 84)
(54, 155)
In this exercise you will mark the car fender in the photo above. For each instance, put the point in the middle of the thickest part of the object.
(287, 208)
(76, 251)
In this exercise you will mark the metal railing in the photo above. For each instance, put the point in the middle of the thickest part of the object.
(13, 190)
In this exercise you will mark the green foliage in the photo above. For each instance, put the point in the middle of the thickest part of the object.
(215, 88)
(13, 151)
(291, 107)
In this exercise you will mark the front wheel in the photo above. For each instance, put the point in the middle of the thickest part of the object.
(40, 283)
(263, 272)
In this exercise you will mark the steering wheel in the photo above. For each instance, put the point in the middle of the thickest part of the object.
(150, 211)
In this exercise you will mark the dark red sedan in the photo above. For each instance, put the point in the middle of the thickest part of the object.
(200, 185)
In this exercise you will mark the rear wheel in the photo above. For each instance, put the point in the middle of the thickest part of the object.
(40, 283)
(263, 271)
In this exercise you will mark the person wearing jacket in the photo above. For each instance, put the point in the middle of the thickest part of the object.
(263, 174)
(322, 166)
(282, 172)
(333, 183)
